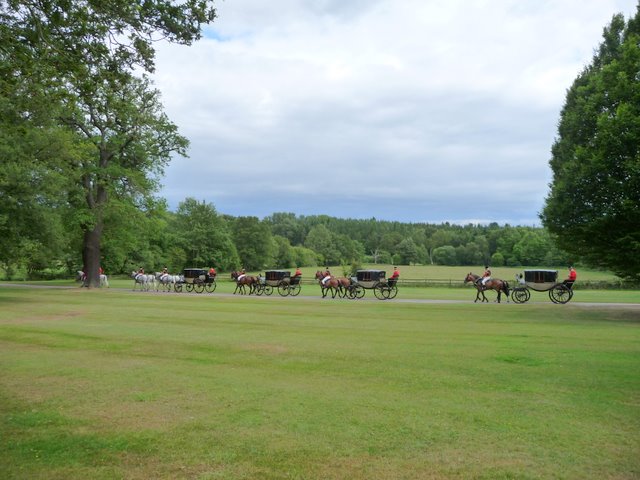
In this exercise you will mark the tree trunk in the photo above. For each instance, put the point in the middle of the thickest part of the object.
(91, 256)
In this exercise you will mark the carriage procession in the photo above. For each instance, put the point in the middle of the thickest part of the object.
(199, 280)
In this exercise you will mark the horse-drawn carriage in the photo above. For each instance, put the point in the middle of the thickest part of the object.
(383, 288)
(542, 281)
(280, 280)
(196, 280)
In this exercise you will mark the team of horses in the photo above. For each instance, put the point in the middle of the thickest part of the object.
(329, 284)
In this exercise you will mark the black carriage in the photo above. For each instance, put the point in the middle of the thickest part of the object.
(196, 280)
(280, 280)
(376, 280)
(542, 281)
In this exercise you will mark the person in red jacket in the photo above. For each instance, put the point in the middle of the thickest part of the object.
(394, 276)
(571, 278)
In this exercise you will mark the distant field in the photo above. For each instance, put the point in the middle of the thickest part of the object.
(106, 384)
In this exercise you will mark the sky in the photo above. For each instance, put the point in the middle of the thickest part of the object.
(403, 110)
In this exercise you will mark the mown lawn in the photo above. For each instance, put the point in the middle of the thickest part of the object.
(114, 384)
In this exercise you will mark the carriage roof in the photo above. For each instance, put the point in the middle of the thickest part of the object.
(278, 273)
(368, 275)
(193, 272)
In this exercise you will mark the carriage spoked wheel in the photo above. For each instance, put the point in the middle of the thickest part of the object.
(268, 289)
(283, 288)
(177, 287)
(520, 295)
(560, 294)
(210, 287)
(356, 291)
(391, 292)
(294, 290)
(198, 287)
(379, 291)
(189, 287)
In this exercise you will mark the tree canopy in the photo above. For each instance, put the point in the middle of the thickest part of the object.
(593, 207)
(74, 66)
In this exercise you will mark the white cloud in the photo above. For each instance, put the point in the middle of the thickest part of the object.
(413, 110)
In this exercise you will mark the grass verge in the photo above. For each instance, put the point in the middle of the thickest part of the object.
(110, 384)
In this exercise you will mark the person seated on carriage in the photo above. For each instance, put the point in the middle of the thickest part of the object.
(212, 272)
(486, 276)
(298, 272)
(570, 280)
(393, 279)
(520, 279)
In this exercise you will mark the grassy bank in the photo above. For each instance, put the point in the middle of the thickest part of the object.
(111, 384)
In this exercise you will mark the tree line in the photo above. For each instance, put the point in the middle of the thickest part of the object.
(196, 235)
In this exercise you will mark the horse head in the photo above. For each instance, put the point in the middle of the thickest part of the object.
(470, 278)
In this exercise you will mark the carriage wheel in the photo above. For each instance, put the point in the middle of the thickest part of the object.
(283, 289)
(258, 289)
(210, 287)
(352, 291)
(520, 295)
(177, 287)
(378, 291)
(393, 291)
(268, 289)
(189, 287)
(360, 291)
(560, 294)
(294, 290)
(198, 287)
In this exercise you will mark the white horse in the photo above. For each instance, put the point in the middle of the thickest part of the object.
(145, 281)
(166, 281)
(82, 277)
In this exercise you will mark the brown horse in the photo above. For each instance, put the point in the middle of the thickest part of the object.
(244, 280)
(332, 283)
(492, 284)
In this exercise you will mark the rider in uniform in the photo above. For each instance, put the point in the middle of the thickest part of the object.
(486, 276)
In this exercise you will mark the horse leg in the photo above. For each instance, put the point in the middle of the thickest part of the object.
(477, 295)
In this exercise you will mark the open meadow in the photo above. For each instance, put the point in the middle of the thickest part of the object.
(109, 383)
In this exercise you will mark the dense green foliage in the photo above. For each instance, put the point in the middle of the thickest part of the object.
(71, 68)
(196, 235)
(594, 204)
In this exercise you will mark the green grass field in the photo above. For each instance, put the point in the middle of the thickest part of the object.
(107, 384)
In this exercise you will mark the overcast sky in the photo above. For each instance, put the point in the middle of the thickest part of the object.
(409, 110)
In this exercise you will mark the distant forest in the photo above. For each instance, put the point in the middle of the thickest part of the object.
(196, 235)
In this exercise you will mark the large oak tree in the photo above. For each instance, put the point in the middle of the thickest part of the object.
(89, 59)
(594, 203)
